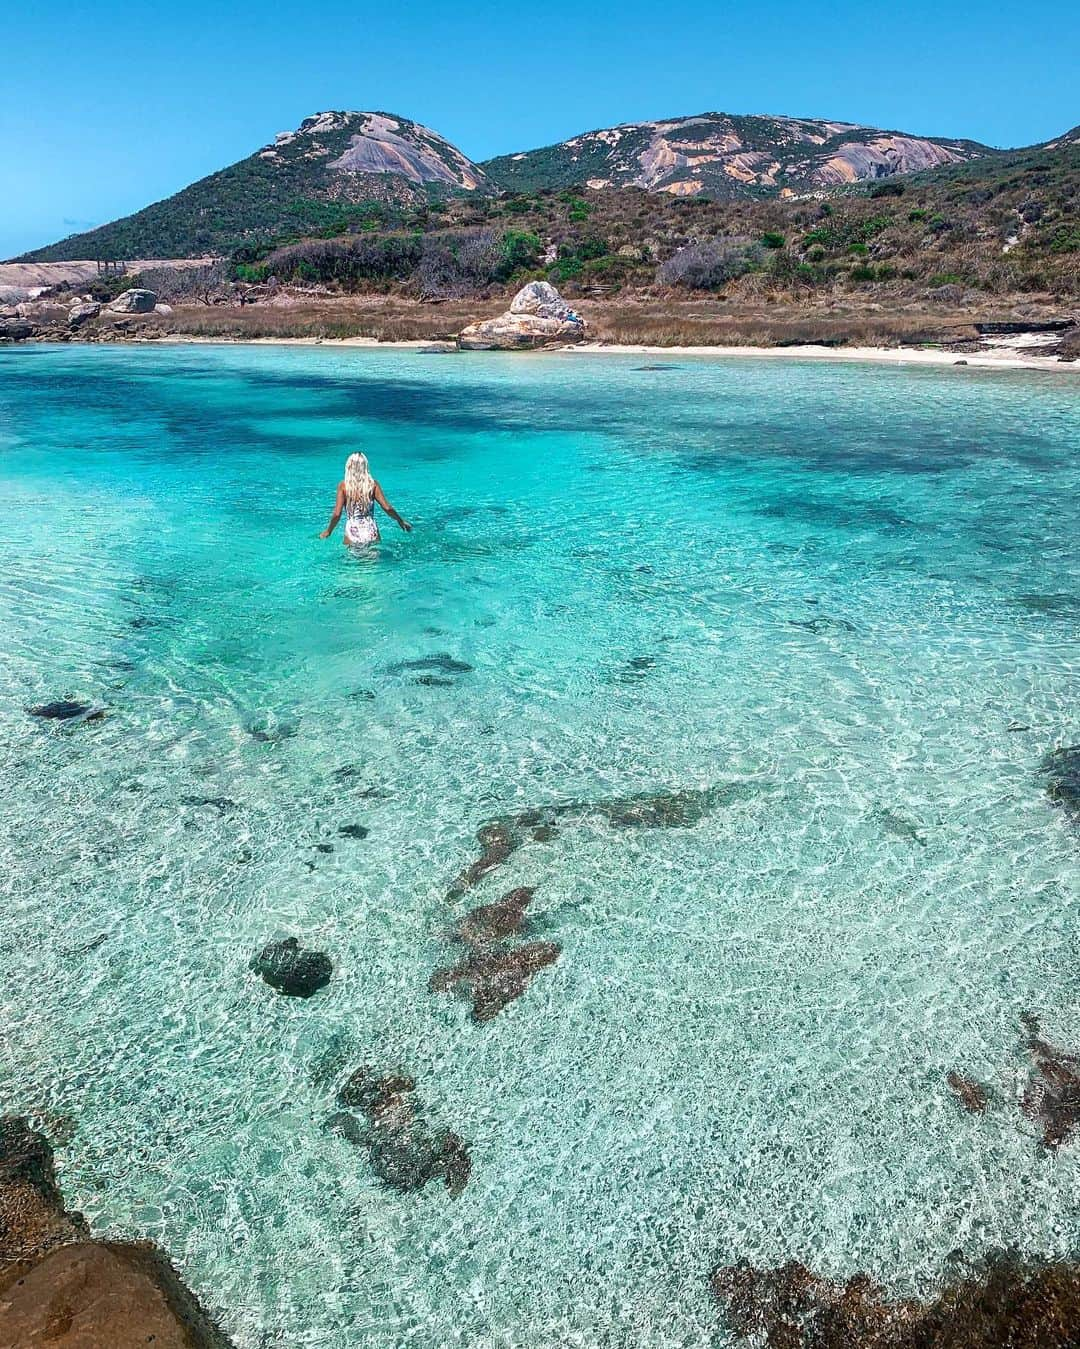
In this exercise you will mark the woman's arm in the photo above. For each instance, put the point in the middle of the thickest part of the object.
(381, 499)
(339, 506)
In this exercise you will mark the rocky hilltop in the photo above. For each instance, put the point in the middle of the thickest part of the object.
(325, 176)
(718, 155)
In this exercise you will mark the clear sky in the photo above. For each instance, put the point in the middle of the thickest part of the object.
(107, 105)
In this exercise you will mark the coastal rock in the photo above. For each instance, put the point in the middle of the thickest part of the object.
(102, 1295)
(82, 313)
(538, 316)
(404, 1151)
(134, 301)
(16, 330)
(289, 969)
(61, 1289)
(165, 310)
(495, 978)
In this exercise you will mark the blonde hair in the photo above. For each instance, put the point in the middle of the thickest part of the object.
(359, 484)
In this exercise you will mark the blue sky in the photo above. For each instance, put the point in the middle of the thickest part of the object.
(107, 105)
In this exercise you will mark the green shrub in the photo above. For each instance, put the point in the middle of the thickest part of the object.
(771, 239)
(863, 272)
(520, 249)
(889, 189)
(945, 279)
(917, 214)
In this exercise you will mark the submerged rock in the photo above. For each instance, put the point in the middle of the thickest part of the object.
(1052, 1095)
(495, 978)
(267, 734)
(1061, 768)
(491, 923)
(443, 663)
(822, 624)
(500, 838)
(291, 970)
(67, 709)
(353, 831)
(898, 826)
(970, 1094)
(1004, 1300)
(404, 1151)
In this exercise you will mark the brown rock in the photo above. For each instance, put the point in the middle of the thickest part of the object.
(495, 922)
(32, 1214)
(101, 1295)
(970, 1094)
(495, 978)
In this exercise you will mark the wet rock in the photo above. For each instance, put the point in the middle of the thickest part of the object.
(491, 923)
(497, 843)
(1002, 1301)
(1061, 768)
(1052, 1095)
(323, 847)
(404, 1151)
(354, 831)
(434, 681)
(289, 969)
(970, 1094)
(495, 978)
(32, 1214)
(67, 709)
(657, 367)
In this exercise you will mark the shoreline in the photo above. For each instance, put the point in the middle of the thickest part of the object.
(1007, 358)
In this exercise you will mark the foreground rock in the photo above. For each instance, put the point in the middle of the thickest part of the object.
(491, 923)
(289, 969)
(538, 317)
(1004, 1301)
(404, 1151)
(67, 709)
(59, 1288)
(133, 301)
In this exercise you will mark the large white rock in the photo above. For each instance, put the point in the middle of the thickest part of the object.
(134, 301)
(538, 316)
(82, 312)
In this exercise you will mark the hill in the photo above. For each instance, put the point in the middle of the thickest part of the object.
(722, 156)
(337, 171)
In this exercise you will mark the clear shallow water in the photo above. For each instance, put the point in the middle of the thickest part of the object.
(742, 1049)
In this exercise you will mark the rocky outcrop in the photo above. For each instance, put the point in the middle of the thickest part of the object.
(1061, 769)
(1052, 1095)
(61, 1289)
(134, 301)
(538, 317)
(289, 969)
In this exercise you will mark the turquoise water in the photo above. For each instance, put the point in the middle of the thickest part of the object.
(741, 1051)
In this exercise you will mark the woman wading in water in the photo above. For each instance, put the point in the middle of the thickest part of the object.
(357, 495)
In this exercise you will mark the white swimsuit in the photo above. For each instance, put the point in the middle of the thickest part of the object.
(360, 526)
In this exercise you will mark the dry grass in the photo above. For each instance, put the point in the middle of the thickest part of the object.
(622, 320)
